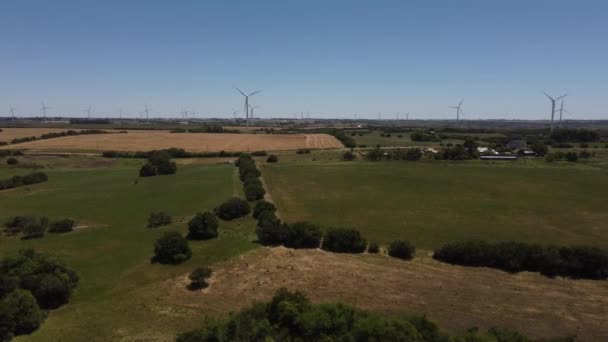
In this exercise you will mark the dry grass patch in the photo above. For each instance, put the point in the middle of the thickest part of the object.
(195, 142)
(455, 297)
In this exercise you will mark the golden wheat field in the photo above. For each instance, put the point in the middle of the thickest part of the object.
(194, 142)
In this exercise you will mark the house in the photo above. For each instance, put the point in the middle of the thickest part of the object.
(486, 151)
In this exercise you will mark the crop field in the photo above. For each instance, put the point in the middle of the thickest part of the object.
(434, 203)
(111, 247)
(194, 142)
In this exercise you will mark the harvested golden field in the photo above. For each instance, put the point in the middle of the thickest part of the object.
(194, 142)
(455, 297)
(9, 134)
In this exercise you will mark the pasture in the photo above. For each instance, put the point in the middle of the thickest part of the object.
(195, 142)
(434, 203)
(111, 248)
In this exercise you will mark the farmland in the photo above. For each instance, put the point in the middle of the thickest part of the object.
(194, 142)
(434, 203)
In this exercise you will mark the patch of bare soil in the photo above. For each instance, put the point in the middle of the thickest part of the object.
(455, 297)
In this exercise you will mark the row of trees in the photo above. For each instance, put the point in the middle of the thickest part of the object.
(29, 283)
(411, 154)
(59, 135)
(159, 163)
(34, 227)
(290, 316)
(250, 176)
(576, 262)
(16, 181)
(174, 152)
(574, 135)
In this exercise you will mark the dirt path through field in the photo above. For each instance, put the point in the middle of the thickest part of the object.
(455, 297)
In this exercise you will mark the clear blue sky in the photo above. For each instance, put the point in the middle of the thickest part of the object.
(328, 57)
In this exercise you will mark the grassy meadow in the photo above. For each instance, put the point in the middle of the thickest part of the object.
(111, 249)
(437, 202)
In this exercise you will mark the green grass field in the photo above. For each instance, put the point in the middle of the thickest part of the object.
(437, 202)
(112, 253)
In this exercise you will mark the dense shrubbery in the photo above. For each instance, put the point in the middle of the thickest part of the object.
(7, 153)
(421, 136)
(574, 135)
(290, 316)
(198, 278)
(203, 226)
(30, 226)
(61, 226)
(373, 248)
(303, 235)
(233, 208)
(171, 248)
(577, 262)
(411, 154)
(262, 206)
(272, 158)
(270, 230)
(158, 219)
(172, 152)
(159, 163)
(348, 155)
(303, 151)
(59, 135)
(28, 282)
(12, 161)
(250, 176)
(348, 141)
(259, 153)
(16, 181)
(205, 128)
(402, 250)
(341, 240)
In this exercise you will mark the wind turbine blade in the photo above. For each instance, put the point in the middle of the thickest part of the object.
(561, 97)
(239, 90)
(460, 104)
(255, 92)
(547, 95)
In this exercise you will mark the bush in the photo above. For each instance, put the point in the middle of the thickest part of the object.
(571, 157)
(198, 278)
(373, 248)
(576, 262)
(12, 161)
(147, 170)
(272, 158)
(262, 206)
(303, 151)
(254, 191)
(24, 311)
(539, 148)
(259, 153)
(16, 224)
(35, 228)
(158, 219)
(61, 226)
(233, 208)
(340, 240)
(584, 154)
(159, 163)
(270, 230)
(171, 248)
(303, 235)
(348, 156)
(203, 226)
(413, 154)
(402, 250)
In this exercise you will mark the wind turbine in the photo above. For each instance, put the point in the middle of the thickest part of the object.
(147, 111)
(88, 111)
(553, 107)
(247, 102)
(11, 112)
(458, 110)
(43, 109)
(252, 108)
(561, 112)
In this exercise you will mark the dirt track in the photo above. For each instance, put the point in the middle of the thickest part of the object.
(196, 142)
(455, 297)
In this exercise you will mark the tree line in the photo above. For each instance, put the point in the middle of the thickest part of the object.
(576, 262)
(32, 227)
(290, 316)
(16, 181)
(67, 133)
(30, 283)
(250, 176)
(174, 152)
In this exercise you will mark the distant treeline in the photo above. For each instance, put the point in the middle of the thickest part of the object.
(575, 262)
(174, 152)
(90, 121)
(10, 153)
(60, 134)
(574, 135)
(205, 129)
(16, 181)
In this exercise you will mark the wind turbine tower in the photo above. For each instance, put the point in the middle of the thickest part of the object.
(147, 111)
(11, 112)
(88, 111)
(458, 110)
(553, 107)
(43, 109)
(246, 107)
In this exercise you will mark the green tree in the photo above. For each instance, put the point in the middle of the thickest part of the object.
(539, 148)
(26, 313)
(198, 277)
(203, 226)
(401, 249)
(171, 248)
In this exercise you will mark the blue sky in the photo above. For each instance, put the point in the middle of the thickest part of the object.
(331, 58)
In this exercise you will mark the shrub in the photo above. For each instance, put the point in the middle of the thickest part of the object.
(303, 235)
(348, 156)
(203, 226)
(571, 157)
(25, 312)
(171, 248)
(341, 240)
(373, 248)
(539, 148)
(16, 224)
(254, 191)
(147, 170)
(259, 153)
(303, 151)
(584, 154)
(35, 228)
(270, 230)
(159, 163)
(198, 278)
(61, 226)
(262, 206)
(272, 158)
(401, 249)
(158, 219)
(12, 161)
(233, 208)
